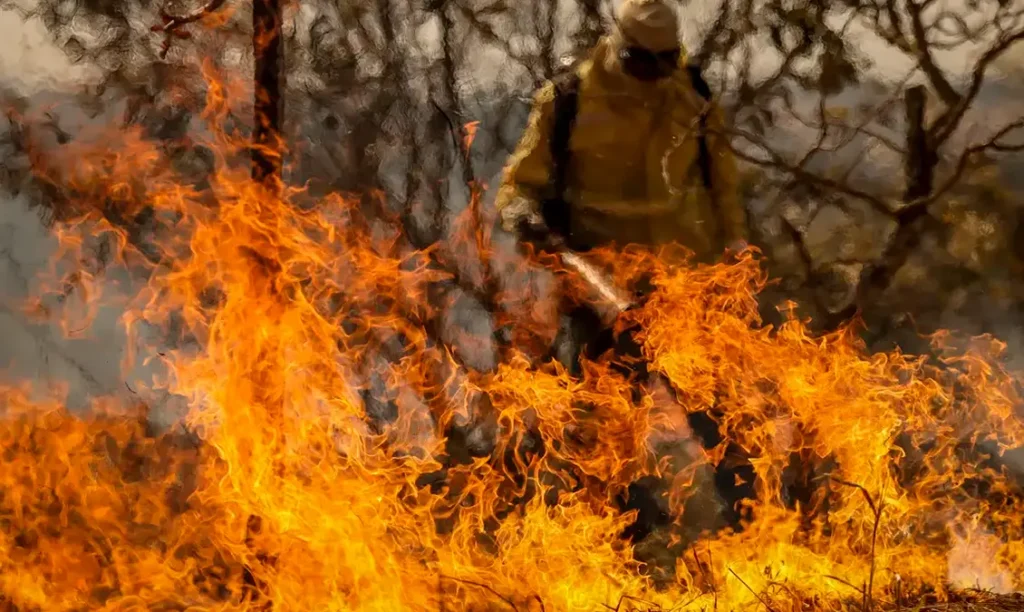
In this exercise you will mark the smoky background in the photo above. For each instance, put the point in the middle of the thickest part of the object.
(881, 145)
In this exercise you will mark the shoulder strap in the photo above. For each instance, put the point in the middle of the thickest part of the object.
(703, 154)
(566, 104)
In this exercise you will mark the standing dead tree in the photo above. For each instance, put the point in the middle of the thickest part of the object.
(268, 111)
(798, 121)
(928, 141)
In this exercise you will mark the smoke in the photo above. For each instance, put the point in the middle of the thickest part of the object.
(38, 351)
(29, 61)
(972, 563)
(85, 364)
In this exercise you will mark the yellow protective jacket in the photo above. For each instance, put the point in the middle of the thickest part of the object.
(633, 175)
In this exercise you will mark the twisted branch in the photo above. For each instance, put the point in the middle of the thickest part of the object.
(172, 24)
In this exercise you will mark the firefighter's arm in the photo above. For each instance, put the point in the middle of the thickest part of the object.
(528, 173)
(725, 179)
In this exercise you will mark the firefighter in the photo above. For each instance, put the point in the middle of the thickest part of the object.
(625, 148)
(613, 153)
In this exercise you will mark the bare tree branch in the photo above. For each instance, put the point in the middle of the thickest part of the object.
(776, 161)
(707, 46)
(489, 35)
(172, 24)
(994, 143)
(944, 127)
(924, 55)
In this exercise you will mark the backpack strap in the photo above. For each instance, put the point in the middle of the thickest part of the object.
(566, 104)
(703, 153)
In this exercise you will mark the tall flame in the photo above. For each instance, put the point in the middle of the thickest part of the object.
(316, 474)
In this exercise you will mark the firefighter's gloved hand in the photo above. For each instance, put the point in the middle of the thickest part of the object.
(532, 229)
(522, 217)
(737, 245)
(734, 249)
(518, 211)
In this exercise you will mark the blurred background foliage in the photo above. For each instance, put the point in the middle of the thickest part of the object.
(881, 140)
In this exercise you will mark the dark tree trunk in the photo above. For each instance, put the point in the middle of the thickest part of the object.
(921, 159)
(268, 107)
(913, 220)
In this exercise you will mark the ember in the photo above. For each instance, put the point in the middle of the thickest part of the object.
(296, 482)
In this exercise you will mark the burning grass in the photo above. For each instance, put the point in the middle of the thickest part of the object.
(316, 473)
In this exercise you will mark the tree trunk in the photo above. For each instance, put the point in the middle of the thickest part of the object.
(913, 220)
(920, 163)
(268, 106)
(266, 169)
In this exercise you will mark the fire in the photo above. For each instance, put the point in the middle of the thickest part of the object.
(312, 471)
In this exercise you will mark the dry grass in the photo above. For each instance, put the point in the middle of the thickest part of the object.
(973, 601)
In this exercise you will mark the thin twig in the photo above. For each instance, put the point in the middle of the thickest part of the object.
(172, 24)
(490, 590)
(945, 125)
(489, 35)
(684, 605)
(711, 575)
(720, 24)
(992, 144)
(711, 568)
(754, 593)
(859, 590)
(877, 512)
(864, 125)
(624, 598)
(777, 162)
(906, 210)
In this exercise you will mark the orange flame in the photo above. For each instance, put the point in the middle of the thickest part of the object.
(471, 129)
(317, 475)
